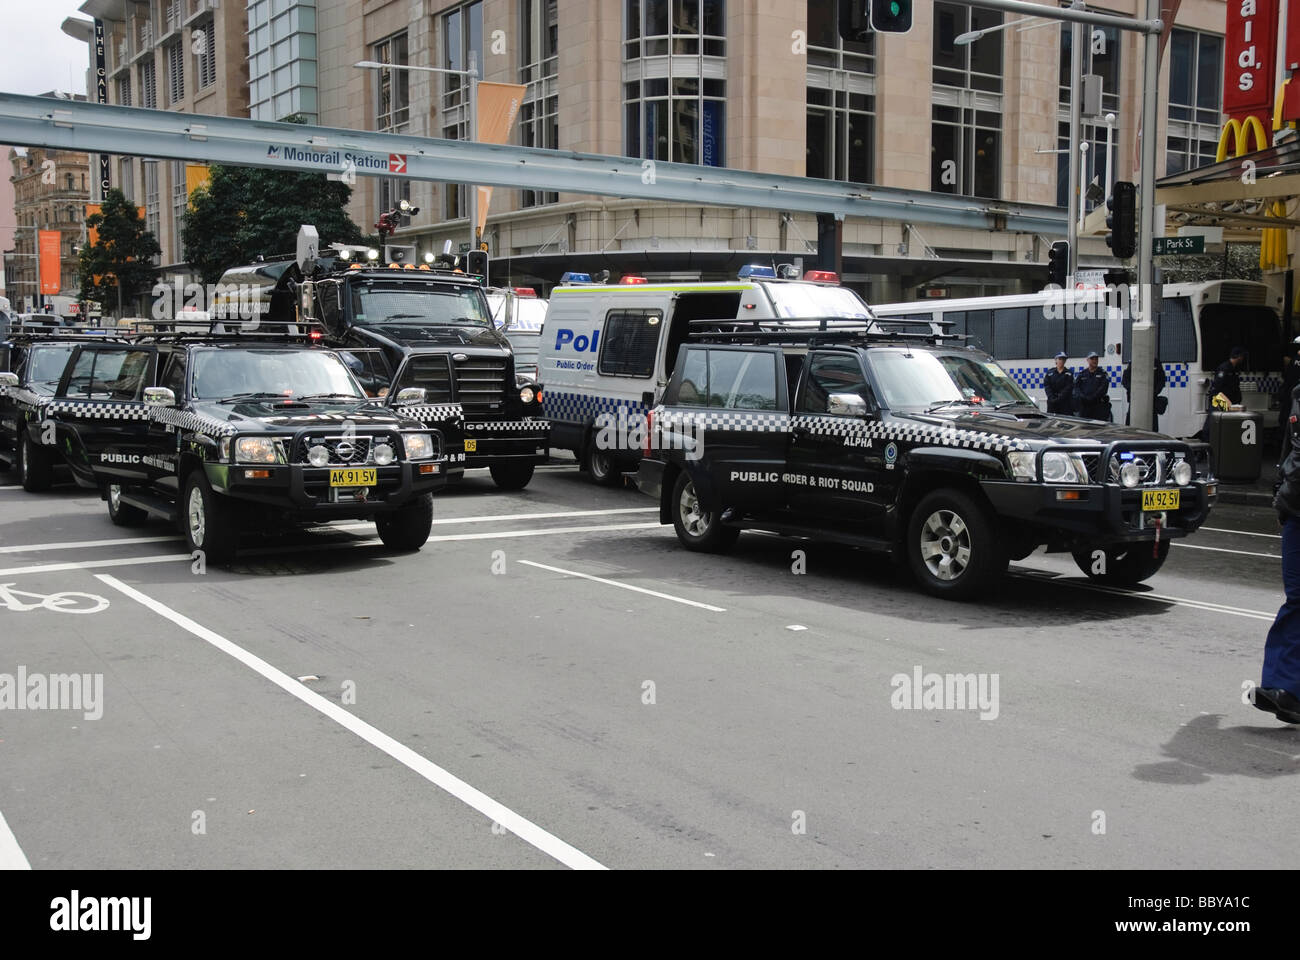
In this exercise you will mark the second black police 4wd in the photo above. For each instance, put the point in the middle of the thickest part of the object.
(242, 432)
(912, 445)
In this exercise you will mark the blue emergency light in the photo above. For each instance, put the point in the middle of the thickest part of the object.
(756, 271)
(576, 278)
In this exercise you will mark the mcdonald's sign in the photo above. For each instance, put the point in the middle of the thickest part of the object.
(1239, 134)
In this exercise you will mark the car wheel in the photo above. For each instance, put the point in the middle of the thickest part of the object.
(511, 476)
(1125, 564)
(123, 514)
(601, 465)
(209, 520)
(951, 546)
(407, 527)
(697, 528)
(35, 466)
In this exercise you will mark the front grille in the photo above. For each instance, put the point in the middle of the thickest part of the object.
(431, 373)
(344, 451)
(1155, 466)
(481, 383)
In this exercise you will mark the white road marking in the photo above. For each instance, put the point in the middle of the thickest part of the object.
(11, 855)
(1242, 553)
(495, 811)
(123, 541)
(626, 586)
(85, 544)
(1158, 597)
(1244, 533)
(92, 564)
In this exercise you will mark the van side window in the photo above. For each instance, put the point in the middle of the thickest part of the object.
(629, 343)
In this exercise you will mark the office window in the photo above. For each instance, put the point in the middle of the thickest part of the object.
(462, 36)
(148, 84)
(966, 118)
(175, 73)
(539, 59)
(207, 57)
(394, 105)
(126, 178)
(123, 91)
(1195, 95)
(180, 198)
(1100, 56)
(152, 202)
(674, 107)
(841, 100)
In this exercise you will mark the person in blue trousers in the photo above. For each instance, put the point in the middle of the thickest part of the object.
(1278, 692)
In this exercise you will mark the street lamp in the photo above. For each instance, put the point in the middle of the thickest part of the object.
(472, 75)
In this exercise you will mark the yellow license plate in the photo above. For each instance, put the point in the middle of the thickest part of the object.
(471, 446)
(1160, 499)
(352, 477)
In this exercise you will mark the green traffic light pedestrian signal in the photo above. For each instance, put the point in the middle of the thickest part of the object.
(891, 16)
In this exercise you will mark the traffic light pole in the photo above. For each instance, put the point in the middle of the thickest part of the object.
(1076, 119)
(1143, 352)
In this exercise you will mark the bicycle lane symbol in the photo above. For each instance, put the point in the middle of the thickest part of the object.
(62, 602)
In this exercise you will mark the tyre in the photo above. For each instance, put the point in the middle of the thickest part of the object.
(1124, 564)
(35, 466)
(208, 519)
(600, 465)
(407, 527)
(511, 476)
(697, 528)
(952, 548)
(123, 514)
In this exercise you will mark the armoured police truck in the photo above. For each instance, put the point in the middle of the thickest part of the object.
(429, 327)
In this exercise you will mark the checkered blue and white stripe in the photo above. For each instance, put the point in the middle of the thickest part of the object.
(1031, 378)
(580, 407)
(906, 432)
(433, 412)
(98, 409)
(26, 398)
(743, 421)
(194, 422)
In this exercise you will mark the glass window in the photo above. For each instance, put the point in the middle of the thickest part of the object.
(977, 65)
(462, 35)
(1011, 333)
(918, 379)
(694, 388)
(226, 372)
(539, 112)
(742, 380)
(174, 378)
(109, 375)
(1084, 334)
(830, 373)
(840, 122)
(1195, 92)
(394, 86)
(629, 343)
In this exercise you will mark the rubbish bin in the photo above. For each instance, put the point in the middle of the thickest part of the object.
(1235, 438)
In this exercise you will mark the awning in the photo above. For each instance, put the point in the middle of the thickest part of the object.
(1235, 193)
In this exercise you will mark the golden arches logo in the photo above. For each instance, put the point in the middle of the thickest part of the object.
(1239, 133)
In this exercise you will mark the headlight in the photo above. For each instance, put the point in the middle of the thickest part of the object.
(255, 450)
(1064, 468)
(1022, 464)
(225, 448)
(384, 454)
(1130, 475)
(318, 456)
(526, 394)
(1182, 473)
(419, 446)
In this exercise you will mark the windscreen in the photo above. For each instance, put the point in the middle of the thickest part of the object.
(221, 374)
(418, 305)
(815, 300)
(916, 379)
(47, 363)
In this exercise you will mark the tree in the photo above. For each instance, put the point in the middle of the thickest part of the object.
(122, 255)
(245, 212)
(1239, 261)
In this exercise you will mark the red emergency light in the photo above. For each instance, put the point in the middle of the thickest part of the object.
(822, 276)
(525, 292)
(631, 280)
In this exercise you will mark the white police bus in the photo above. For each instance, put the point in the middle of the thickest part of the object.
(1197, 327)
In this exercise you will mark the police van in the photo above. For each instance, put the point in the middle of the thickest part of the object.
(607, 350)
(519, 313)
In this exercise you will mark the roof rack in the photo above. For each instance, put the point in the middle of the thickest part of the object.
(36, 328)
(811, 331)
(307, 331)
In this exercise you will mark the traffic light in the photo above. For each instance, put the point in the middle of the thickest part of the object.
(891, 16)
(476, 264)
(1058, 263)
(1122, 220)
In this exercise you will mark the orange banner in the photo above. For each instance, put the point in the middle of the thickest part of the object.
(51, 269)
(498, 105)
(196, 175)
(92, 233)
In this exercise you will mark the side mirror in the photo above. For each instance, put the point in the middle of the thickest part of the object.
(159, 396)
(846, 405)
(410, 396)
(8, 379)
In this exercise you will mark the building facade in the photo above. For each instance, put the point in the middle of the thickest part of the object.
(51, 189)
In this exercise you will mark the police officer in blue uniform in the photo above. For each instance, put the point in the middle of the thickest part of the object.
(1092, 391)
(1227, 379)
(1059, 384)
(1278, 692)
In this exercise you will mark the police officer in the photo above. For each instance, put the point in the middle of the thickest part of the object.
(1059, 384)
(1278, 692)
(1227, 379)
(1091, 391)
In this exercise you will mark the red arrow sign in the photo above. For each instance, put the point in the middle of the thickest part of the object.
(397, 163)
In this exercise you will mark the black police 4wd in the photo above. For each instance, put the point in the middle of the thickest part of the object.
(427, 327)
(913, 446)
(242, 433)
(31, 363)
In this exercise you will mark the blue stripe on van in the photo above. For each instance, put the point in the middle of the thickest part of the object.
(581, 407)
